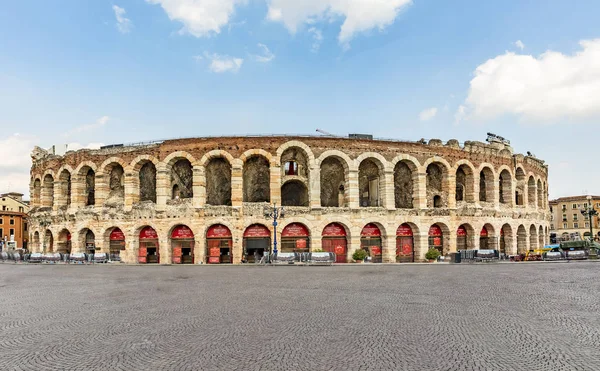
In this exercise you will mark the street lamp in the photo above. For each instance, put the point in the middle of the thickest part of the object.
(274, 213)
(590, 211)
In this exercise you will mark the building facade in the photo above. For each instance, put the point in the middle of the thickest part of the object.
(204, 200)
(13, 219)
(566, 217)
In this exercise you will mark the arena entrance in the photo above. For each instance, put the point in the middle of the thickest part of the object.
(182, 245)
(257, 242)
(64, 242)
(405, 252)
(436, 238)
(370, 241)
(484, 242)
(116, 244)
(334, 240)
(295, 238)
(461, 238)
(219, 244)
(90, 242)
(148, 250)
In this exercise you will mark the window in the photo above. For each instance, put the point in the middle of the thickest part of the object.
(552, 226)
(565, 226)
(21, 209)
(3, 208)
(575, 225)
(1, 220)
(564, 217)
(12, 221)
(597, 205)
(1, 233)
(25, 227)
(574, 206)
(551, 217)
(574, 216)
(564, 207)
(587, 224)
(291, 168)
(12, 232)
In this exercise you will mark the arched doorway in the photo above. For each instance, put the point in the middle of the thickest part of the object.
(116, 244)
(334, 240)
(484, 239)
(90, 242)
(182, 245)
(64, 242)
(436, 238)
(370, 241)
(257, 241)
(49, 241)
(405, 251)
(521, 240)
(148, 251)
(461, 238)
(219, 244)
(295, 238)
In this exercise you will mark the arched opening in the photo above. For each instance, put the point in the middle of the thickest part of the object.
(403, 185)
(334, 240)
(531, 192)
(486, 185)
(257, 180)
(370, 241)
(89, 241)
(36, 240)
(294, 193)
(182, 245)
(521, 187)
(533, 238)
(333, 183)
(65, 187)
(256, 242)
(436, 186)
(89, 190)
(116, 185)
(218, 182)
(505, 187)
(219, 244)
(295, 163)
(182, 180)
(461, 238)
(405, 250)
(49, 241)
(540, 194)
(37, 193)
(541, 238)
(147, 182)
(484, 239)
(370, 183)
(64, 242)
(148, 250)
(116, 244)
(521, 240)
(436, 238)
(295, 238)
(48, 191)
(464, 184)
(506, 239)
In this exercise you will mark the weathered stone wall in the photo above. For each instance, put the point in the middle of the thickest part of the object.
(257, 180)
(147, 182)
(333, 183)
(403, 186)
(218, 182)
(181, 180)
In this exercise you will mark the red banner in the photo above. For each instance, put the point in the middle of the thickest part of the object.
(117, 235)
(68, 236)
(340, 250)
(334, 229)
(295, 230)
(176, 252)
(148, 233)
(182, 232)
(407, 249)
(370, 230)
(437, 241)
(301, 244)
(257, 231)
(376, 250)
(461, 231)
(483, 233)
(435, 230)
(218, 231)
(143, 252)
(214, 251)
(404, 231)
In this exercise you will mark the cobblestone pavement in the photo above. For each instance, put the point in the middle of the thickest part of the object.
(420, 317)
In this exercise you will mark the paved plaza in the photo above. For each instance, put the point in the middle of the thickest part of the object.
(518, 316)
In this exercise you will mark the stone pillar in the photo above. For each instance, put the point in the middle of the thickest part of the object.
(496, 193)
(419, 190)
(164, 249)
(77, 192)
(314, 188)
(275, 184)
(353, 192)
(198, 187)
(476, 190)
(388, 253)
(237, 235)
(237, 183)
(451, 186)
(316, 242)
(199, 249)
(421, 245)
(388, 197)
(132, 190)
(353, 245)
(163, 179)
(102, 189)
(60, 198)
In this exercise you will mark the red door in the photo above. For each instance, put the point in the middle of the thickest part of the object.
(142, 255)
(337, 246)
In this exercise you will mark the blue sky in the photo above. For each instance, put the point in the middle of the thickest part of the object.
(133, 70)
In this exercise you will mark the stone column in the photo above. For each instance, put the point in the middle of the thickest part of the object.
(451, 186)
(163, 179)
(132, 190)
(164, 249)
(60, 198)
(388, 253)
(496, 193)
(102, 189)
(419, 191)
(199, 249)
(275, 184)
(315, 242)
(353, 192)
(77, 192)
(237, 245)
(198, 187)
(314, 189)
(237, 183)
(388, 197)
(420, 245)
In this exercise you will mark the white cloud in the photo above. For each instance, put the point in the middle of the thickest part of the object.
(519, 44)
(123, 24)
(317, 39)
(223, 63)
(83, 128)
(16, 161)
(460, 114)
(199, 17)
(267, 55)
(428, 114)
(542, 89)
(359, 15)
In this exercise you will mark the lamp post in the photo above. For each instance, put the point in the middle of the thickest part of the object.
(274, 213)
(590, 211)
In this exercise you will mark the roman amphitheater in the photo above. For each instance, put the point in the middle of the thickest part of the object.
(205, 200)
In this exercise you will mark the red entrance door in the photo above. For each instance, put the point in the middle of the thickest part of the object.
(334, 240)
(219, 245)
(182, 243)
(148, 249)
(405, 252)
(294, 238)
(370, 241)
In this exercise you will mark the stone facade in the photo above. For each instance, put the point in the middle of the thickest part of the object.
(320, 180)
